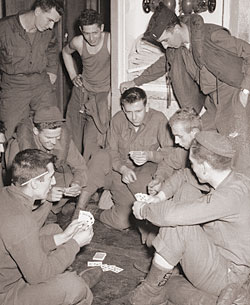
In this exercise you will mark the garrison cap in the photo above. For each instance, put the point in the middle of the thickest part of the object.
(215, 142)
(48, 114)
(162, 18)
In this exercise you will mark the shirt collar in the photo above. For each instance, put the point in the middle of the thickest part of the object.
(28, 201)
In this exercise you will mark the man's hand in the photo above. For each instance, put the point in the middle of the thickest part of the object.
(126, 85)
(154, 186)
(77, 81)
(83, 237)
(138, 205)
(244, 97)
(157, 198)
(55, 194)
(73, 228)
(52, 77)
(128, 175)
(140, 157)
(72, 191)
(153, 199)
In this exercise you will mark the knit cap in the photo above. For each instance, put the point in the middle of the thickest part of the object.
(215, 142)
(48, 114)
(162, 18)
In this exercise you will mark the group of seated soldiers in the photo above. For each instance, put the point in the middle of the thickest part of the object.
(196, 214)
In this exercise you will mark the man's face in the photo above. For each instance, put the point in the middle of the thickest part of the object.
(48, 137)
(198, 168)
(2, 140)
(46, 20)
(92, 33)
(135, 112)
(45, 183)
(171, 38)
(181, 136)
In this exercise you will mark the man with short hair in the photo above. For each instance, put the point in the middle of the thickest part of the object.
(207, 67)
(34, 261)
(185, 123)
(131, 159)
(29, 61)
(48, 132)
(88, 112)
(209, 236)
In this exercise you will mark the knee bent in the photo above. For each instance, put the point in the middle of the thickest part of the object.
(76, 290)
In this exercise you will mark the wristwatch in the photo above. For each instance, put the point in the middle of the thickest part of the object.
(245, 91)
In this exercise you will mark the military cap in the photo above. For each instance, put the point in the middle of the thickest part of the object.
(48, 114)
(215, 142)
(162, 18)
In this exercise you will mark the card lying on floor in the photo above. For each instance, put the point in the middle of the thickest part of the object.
(86, 217)
(99, 256)
(94, 264)
(141, 197)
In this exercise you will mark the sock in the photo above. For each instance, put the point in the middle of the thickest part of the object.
(161, 263)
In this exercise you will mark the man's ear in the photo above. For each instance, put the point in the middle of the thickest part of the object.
(206, 167)
(37, 11)
(194, 131)
(147, 107)
(33, 184)
(35, 131)
(102, 27)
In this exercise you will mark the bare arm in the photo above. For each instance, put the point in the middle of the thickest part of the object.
(74, 45)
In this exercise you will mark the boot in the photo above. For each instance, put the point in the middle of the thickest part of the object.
(151, 290)
(92, 276)
(81, 203)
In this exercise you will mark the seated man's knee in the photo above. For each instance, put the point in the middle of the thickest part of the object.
(76, 289)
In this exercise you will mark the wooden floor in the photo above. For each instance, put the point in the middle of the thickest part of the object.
(123, 250)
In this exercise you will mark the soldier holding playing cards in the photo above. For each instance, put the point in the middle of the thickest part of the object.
(47, 131)
(208, 236)
(34, 261)
(128, 165)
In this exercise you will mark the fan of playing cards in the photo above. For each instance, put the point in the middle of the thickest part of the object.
(141, 197)
(86, 218)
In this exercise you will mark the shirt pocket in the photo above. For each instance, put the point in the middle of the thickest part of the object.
(19, 54)
(148, 142)
(5, 55)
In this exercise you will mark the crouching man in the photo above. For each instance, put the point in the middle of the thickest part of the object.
(34, 261)
(47, 131)
(209, 236)
(135, 139)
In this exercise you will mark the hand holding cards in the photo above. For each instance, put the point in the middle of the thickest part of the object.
(141, 197)
(138, 157)
(72, 191)
(86, 218)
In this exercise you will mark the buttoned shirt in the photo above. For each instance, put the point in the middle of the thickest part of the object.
(19, 56)
(152, 135)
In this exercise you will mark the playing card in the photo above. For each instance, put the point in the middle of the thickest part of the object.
(99, 256)
(111, 267)
(94, 264)
(86, 217)
(135, 153)
(105, 267)
(117, 269)
(141, 197)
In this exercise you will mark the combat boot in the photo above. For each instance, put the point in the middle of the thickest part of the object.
(151, 290)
